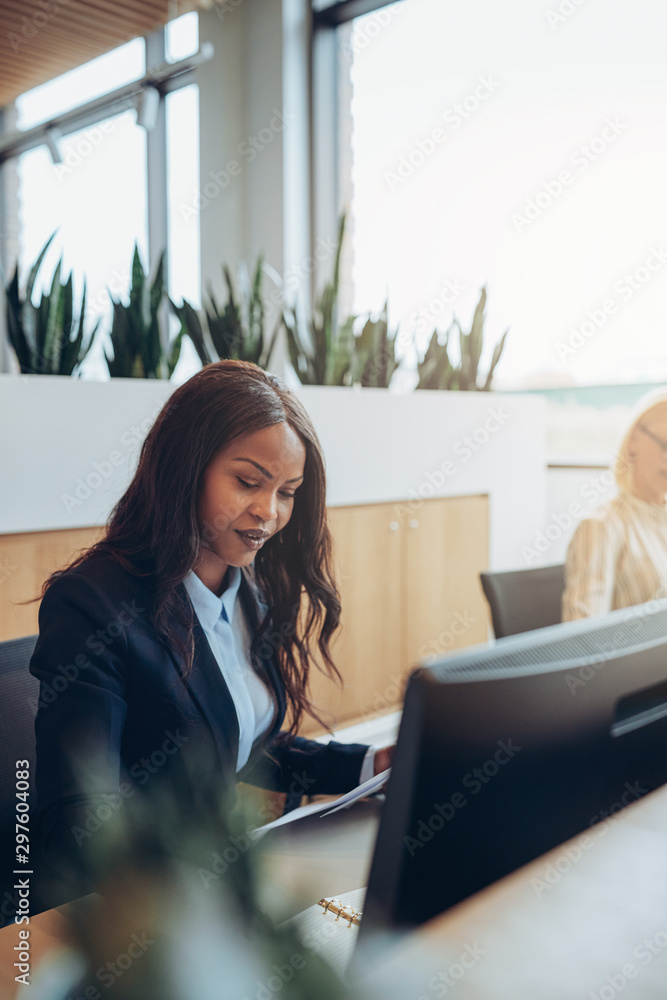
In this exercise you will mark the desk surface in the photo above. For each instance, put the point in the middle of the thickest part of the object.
(586, 921)
(303, 861)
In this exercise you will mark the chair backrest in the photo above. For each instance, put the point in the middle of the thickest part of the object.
(19, 694)
(524, 599)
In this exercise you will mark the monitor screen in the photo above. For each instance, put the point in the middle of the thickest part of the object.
(507, 750)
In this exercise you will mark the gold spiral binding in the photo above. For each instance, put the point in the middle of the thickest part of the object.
(334, 906)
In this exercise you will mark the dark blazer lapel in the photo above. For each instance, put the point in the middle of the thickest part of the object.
(276, 683)
(209, 690)
(254, 607)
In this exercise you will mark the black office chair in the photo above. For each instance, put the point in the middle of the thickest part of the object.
(524, 599)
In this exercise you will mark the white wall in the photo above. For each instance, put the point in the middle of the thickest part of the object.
(572, 494)
(255, 145)
(71, 448)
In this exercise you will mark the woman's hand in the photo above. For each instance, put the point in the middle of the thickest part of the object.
(383, 758)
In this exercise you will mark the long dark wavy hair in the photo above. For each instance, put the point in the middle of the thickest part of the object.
(153, 530)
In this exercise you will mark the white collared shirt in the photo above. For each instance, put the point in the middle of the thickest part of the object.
(224, 623)
(226, 629)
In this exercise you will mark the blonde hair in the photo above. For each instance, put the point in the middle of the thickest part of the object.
(651, 402)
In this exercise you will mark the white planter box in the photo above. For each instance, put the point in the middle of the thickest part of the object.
(70, 447)
(382, 446)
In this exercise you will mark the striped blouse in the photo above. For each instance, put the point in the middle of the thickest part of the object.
(616, 558)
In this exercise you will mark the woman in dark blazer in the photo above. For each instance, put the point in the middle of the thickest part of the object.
(142, 688)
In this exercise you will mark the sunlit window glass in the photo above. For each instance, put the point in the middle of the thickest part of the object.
(183, 180)
(520, 154)
(182, 37)
(85, 83)
(96, 200)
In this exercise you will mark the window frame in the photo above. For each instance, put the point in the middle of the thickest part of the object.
(333, 14)
(165, 78)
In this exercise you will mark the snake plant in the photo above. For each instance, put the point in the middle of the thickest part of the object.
(374, 353)
(46, 338)
(436, 370)
(236, 329)
(324, 355)
(331, 354)
(135, 330)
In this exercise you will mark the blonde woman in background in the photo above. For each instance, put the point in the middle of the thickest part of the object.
(618, 556)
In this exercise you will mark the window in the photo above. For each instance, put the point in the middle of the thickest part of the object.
(83, 84)
(184, 272)
(182, 37)
(96, 198)
(524, 152)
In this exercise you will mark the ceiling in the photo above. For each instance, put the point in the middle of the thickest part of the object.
(40, 39)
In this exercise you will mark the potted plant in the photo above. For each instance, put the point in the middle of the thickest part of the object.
(327, 353)
(135, 330)
(235, 330)
(46, 338)
(436, 370)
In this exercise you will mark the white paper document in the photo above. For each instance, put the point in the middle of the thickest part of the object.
(326, 808)
(333, 939)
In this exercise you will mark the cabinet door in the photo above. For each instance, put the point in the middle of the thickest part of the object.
(26, 559)
(368, 648)
(446, 544)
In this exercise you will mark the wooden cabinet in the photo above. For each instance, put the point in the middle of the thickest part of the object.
(26, 559)
(409, 585)
(445, 548)
(368, 648)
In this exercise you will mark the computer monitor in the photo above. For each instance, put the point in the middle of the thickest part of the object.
(505, 751)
